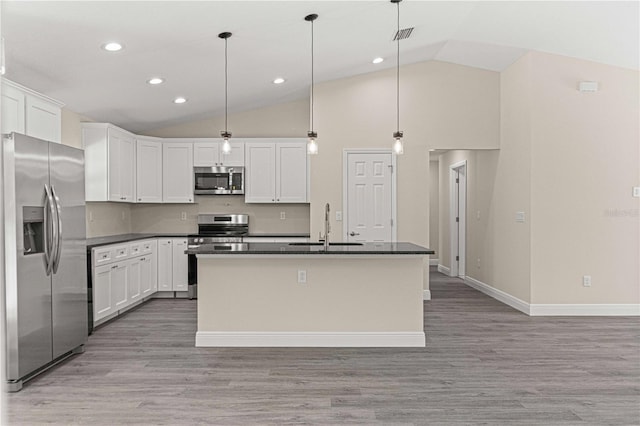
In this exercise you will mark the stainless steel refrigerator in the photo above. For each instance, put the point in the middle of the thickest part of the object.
(45, 255)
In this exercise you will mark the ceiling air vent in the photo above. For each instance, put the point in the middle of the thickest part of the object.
(403, 34)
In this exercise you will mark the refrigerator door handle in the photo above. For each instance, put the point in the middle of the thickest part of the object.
(49, 212)
(58, 231)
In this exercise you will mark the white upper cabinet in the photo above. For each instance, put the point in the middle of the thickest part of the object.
(276, 171)
(13, 114)
(148, 170)
(291, 172)
(208, 153)
(30, 113)
(260, 173)
(109, 163)
(177, 172)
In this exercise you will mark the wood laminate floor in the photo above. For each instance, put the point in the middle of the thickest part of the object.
(484, 363)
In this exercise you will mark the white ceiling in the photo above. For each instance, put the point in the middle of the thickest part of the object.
(54, 47)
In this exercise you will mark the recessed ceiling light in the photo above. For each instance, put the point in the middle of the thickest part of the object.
(179, 100)
(155, 80)
(431, 150)
(377, 60)
(112, 46)
(279, 80)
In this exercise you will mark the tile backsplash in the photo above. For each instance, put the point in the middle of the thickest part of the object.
(107, 218)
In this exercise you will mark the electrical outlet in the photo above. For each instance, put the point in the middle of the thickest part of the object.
(478, 262)
(90, 216)
(302, 276)
(478, 215)
(338, 216)
(586, 281)
(183, 216)
(123, 215)
(283, 215)
(520, 217)
(636, 191)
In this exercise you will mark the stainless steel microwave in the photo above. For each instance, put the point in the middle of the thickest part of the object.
(218, 180)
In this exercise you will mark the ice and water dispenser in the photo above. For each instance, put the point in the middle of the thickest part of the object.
(33, 229)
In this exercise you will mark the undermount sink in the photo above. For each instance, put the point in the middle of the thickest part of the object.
(321, 244)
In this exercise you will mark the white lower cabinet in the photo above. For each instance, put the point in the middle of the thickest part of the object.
(172, 265)
(102, 305)
(180, 265)
(165, 264)
(119, 285)
(148, 275)
(129, 275)
(133, 293)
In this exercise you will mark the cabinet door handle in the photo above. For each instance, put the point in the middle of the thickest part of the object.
(353, 234)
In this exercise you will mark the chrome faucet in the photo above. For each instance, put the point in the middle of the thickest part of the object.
(327, 226)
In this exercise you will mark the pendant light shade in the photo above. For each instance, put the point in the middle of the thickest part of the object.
(397, 135)
(312, 144)
(226, 135)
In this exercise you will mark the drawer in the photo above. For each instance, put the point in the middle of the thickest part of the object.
(102, 255)
(135, 249)
(120, 252)
(148, 246)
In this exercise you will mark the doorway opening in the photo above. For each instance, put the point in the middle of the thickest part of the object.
(458, 217)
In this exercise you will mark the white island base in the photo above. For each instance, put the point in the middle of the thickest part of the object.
(346, 301)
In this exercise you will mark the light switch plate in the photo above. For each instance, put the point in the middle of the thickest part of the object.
(283, 215)
(636, 191)
(520, 217)
(338, 216)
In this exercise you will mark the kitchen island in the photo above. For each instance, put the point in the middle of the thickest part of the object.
(298, 294)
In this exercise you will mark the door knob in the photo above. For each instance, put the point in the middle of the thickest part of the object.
(353, 234)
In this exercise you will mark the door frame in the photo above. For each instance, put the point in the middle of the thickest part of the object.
(458, 234)
(345, 188)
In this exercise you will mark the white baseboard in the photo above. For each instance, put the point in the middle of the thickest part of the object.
(591, 310)
(499, 295)
(311, 339)
(426, 294)
(443, 269)
(434, 262)
(555, 309)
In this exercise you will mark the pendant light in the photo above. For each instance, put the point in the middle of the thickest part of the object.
(397, 135)
(226, 146)
(312, 144)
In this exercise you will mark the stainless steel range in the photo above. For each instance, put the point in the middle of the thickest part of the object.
(224, 231)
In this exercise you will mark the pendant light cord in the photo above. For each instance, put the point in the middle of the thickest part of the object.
(312, 76)
(225, 85)
(398, 73)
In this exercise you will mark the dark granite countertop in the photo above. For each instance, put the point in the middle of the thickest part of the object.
(400, 248)
(281, 235)
(125, 238)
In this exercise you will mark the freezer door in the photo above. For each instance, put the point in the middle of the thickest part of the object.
(27, 286)
(69, 280)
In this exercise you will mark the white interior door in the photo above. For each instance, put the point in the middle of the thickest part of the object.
(370, 198)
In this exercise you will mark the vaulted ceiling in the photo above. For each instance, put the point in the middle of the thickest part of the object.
(54, 47)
